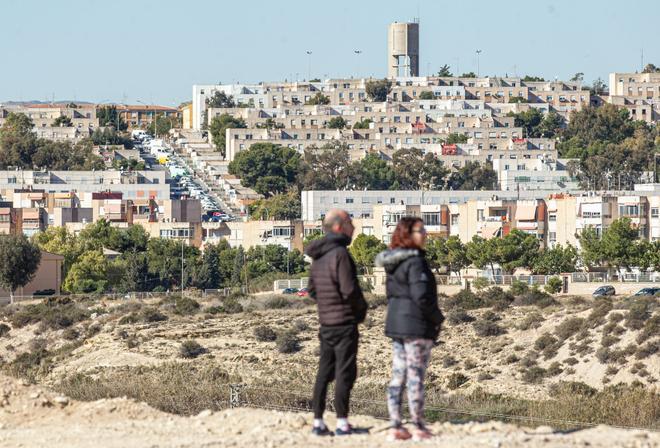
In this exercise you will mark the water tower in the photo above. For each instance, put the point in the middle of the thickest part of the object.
(403, 50)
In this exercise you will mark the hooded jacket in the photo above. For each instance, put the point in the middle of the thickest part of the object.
(412, 295)
(333, 282)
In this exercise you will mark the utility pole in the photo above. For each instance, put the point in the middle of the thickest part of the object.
(309, 64)
(182, 267)
(478, 53)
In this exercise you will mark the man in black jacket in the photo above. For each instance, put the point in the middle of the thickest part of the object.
(333, 284)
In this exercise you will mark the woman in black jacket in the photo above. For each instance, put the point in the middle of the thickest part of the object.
(413, 322)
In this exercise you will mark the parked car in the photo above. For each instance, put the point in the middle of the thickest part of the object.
(290, 291)
(605, 290)
(303, 292)
(648, 292)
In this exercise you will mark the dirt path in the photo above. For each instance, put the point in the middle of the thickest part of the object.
(35, 417)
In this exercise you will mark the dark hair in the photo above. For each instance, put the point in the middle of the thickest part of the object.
(402, 236)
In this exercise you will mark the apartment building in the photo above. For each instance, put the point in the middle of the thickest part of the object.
(542, 173)
(82, 119)
(143, 115)
(132, 184)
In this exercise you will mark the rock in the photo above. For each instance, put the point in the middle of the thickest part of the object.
(205, 413)
(61, 400)
(298, 422)
(34, 395)
(544, 430)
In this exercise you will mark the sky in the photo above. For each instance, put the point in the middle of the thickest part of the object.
(154, 51)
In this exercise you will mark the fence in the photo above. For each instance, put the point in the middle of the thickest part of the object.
(243, 395)
(298, 283)
(604, 277)
(138, 295)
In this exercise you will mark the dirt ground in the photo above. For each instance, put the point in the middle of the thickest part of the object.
(32, 416)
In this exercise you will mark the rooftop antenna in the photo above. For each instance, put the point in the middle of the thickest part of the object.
(642, 61)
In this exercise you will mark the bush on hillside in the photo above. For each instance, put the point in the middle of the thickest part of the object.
(265, 333)
(191, 349)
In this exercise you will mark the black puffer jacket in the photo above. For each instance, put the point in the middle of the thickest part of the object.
(412, 295)
(333, 282)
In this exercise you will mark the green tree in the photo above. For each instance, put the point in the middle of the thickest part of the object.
(378, 90)
(618, 245)
(238, 265)
(426, 95)
(518, 99)
(164, 259)
(444, 72)
(162, 125)
(19, 261)
(58, 240)
(110, 136)
(318, 99)
(556, 260)
(17, 141)
(482, 252)
(364, 250)
(362, 124)
(62, 121)
(455, 137)
(336, 123)
(279, 207)
(88, 274)
(415, 170)
(268, 168)
(372, 173)
(449, 253)
(109, 116)
(469, 75)
(598, 87)
(325, 168)
(515, 250)
(529, 78)
(650, 68)
(473, 176)
(218, 128)
(207, 275)
(220, 99)
(136, 272)
(579, 76)
(591, 252)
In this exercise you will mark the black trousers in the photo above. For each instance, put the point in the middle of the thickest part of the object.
(338, 362)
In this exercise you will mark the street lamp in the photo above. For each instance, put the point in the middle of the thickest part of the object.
(309, 64)
(478, 53)
(357, 53)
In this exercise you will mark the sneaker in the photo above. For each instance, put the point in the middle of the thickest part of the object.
(420, 434)
(345, 431)
(321, 431)
(400, 433)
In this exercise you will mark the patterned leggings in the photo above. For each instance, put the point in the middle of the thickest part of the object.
(409, 363)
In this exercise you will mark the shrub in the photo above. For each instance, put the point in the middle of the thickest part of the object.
(545, 341)
(609, 340)
(264, 334)
(569, 327)
(4, 330)
(491, 316)
(458, 316)
(376, 301)
(498, 298)
(571, 361)
(484, 376)
(287, 342)
(153, 315)
(70, 334)
(456, 380)
(277, 303)
(231, 305)
(607, 355)
(130, 318)
(300, 325)
(511, 359)
(518, 288)
(465, 299)
(185, 306)
(554, 369)
(598, 312)
(639, 312)
(52, 313)
(535, 297)
(534, 375)
(191, 349)
(469, 364)
(572, 388)
(480, 283)
(532, 320)
(554, 285)
(486, 328)
(449, 361)
(611, 370)
(651, 329)
(132, 341)
(648, 349)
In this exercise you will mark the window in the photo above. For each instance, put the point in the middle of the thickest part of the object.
(655, 212)
(454, 220)
(552, 217)
(349, 200)
(282, 231)
(552, 236)
(480, 214)
(431, 219)
(629, 210)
